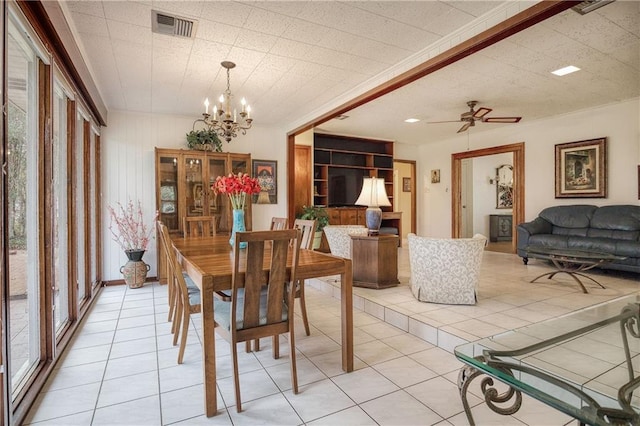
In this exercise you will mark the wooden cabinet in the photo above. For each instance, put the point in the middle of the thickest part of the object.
(183, 186)
(340, 163)
(375, 261)
(393, 220)
(500, 227)
(346, 215)
(183, 189)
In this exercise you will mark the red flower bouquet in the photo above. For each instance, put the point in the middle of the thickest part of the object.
(237, 187)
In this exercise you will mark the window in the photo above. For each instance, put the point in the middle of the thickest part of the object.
(23, 206)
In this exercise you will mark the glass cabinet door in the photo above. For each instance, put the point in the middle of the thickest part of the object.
(194, 196)
(218, 203)
(168, 196)
(241, 163)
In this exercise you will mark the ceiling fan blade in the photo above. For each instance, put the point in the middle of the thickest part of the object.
(448, 121)
(501, 119)
(465, 127)
(481, 112)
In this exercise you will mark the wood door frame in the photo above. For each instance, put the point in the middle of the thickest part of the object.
(517, 149)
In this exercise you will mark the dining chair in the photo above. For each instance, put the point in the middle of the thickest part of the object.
(169, 273)
(308, 229)
(257, 309)
(186, 296)
(198, 226)
(278, 223)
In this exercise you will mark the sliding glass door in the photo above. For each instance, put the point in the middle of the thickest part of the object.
(23, 207)
(60, 210)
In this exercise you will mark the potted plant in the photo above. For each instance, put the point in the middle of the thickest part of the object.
(319, 214)
(204, 140)
(132, 235)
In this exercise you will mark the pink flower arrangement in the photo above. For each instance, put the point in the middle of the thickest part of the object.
(237, 187)
(132, 233)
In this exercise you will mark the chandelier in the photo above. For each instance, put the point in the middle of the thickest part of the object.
(223, 121)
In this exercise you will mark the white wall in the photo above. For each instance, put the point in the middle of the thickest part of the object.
(128, 170)
(619, 123)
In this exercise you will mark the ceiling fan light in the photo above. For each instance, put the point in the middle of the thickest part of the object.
(566, 70)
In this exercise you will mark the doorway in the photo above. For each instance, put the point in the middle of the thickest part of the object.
(404, 194)
(457, 177)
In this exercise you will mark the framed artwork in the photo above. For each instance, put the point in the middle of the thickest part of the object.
(581, 169)
(406, 184)
(504, 187)
(266, 173)
(435, 176)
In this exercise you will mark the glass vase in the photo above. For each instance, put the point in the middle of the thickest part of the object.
(238, 226)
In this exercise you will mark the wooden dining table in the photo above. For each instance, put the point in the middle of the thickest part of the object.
(208, 262)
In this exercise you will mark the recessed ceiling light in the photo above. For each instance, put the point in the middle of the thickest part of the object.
(565, 70)
(411, 120)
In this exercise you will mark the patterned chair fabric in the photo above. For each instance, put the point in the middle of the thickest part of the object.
(445, 270)
(339, 238)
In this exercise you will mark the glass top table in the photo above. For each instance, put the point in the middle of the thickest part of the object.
(585, 364)
(571, 262)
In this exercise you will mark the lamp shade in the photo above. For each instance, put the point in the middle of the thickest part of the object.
(373, 193)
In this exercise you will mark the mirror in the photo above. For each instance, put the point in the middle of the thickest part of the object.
(504, 187)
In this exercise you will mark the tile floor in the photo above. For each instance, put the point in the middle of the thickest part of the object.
(121, 367)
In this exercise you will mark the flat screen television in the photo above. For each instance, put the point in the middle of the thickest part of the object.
(344, 186)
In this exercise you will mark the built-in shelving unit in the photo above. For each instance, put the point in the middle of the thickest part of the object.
(340, 163)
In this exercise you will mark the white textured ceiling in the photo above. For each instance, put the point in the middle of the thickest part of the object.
(295, 58)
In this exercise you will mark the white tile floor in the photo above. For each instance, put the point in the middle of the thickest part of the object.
(121, 367)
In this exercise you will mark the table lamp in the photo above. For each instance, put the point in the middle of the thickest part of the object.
(373, 196)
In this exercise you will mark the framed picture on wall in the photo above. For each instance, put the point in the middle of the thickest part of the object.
(266, 173)
(435, 176)
(581, 169)
(406, 184)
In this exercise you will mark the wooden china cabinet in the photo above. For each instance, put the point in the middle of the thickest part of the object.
(183, 189)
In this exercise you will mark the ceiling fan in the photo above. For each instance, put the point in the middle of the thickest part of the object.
(470, 117)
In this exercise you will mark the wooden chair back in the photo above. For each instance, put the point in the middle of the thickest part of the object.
(166, 245)
(199, 226)
(279, 223)
(308, 228)
(253, 261)
(182, 301)
(175, 266)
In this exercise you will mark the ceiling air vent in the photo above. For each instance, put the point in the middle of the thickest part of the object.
(163, 23)
(341, 117)
(590, 5)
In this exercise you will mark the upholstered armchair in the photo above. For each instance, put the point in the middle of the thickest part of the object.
(339, 238)
(445, 270)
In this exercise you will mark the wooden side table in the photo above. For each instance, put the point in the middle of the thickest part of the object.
(375, 260)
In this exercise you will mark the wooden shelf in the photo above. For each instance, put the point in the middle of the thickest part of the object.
(340, 163)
